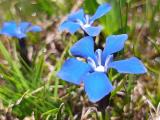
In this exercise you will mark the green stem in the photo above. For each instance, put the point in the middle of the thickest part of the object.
(120, 12)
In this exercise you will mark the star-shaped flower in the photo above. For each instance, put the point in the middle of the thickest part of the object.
(81, 20)
(12, 29)
(93, 72)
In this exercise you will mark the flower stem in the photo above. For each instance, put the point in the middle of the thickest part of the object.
(23, 51)
(102, 105)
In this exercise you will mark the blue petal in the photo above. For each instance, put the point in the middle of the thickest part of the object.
(34, 28)
(78, 15)
(72, 27)
(73, 71)
(9, 29)
(101, 10)
(97, 85)
(83, 48)
(114, 43)
(93, 31)
(132, 65)
(24, 26)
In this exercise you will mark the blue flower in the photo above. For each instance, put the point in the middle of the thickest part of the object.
(93, 72)
(79, 20)
(12, 29)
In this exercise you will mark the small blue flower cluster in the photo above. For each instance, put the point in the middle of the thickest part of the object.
(93, 71)
(12, 29)
(79, 20)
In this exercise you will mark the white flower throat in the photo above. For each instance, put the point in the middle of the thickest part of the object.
(97, 64)
(86, 22)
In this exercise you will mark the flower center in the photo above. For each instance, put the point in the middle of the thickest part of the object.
(97, 63)
(100, 68)
(18, 30)
(86, 25)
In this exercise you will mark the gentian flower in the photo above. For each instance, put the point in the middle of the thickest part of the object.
(12, 29)
(79, 20)
(93, 72)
